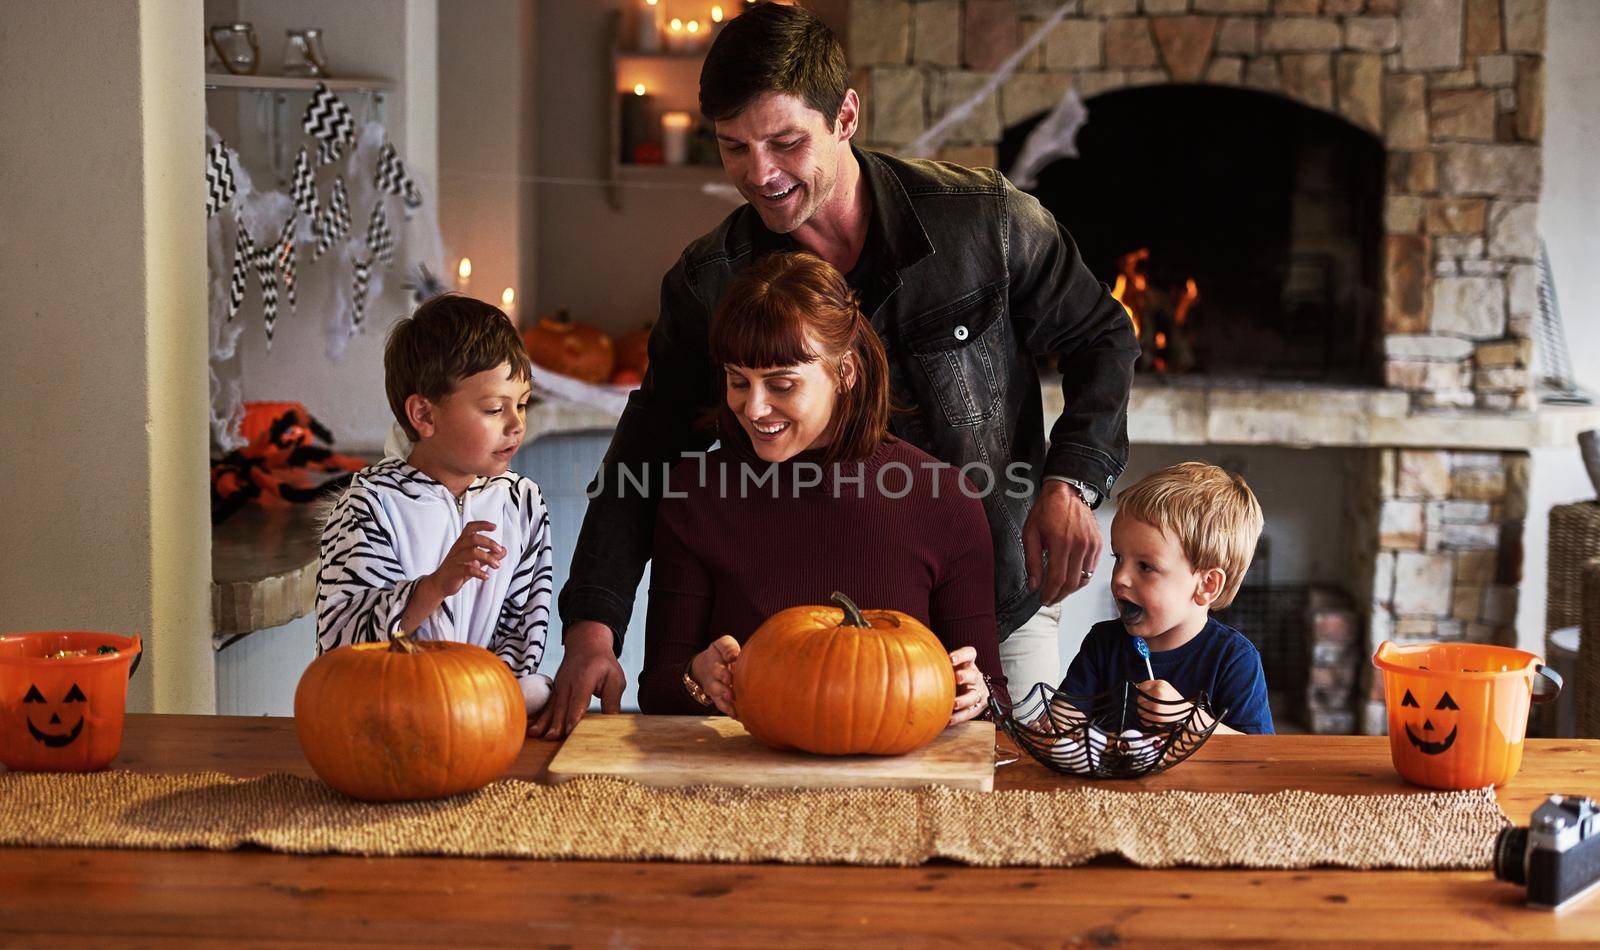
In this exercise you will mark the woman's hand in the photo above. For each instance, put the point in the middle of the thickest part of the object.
(972, 693)
(712, 668)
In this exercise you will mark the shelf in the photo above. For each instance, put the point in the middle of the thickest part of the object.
(696, 55)
(296, 83)
(628, 171)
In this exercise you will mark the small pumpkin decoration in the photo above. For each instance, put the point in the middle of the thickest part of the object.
(843, 681)
(633, 350)
(1458, 712)
(565, 346)
(62, 699)
(409, 719)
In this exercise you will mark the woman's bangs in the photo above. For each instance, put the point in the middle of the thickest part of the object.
(770, 331)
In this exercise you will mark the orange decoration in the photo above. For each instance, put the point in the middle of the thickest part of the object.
(842, 681)
(1458, 711)
(561, 344)
(63, 714)
(633, 350)
(409, 719)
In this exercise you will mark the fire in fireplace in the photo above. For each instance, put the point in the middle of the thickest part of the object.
(1241, 230)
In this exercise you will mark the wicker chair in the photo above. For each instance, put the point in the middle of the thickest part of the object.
(1574, 540)
(1588, 685)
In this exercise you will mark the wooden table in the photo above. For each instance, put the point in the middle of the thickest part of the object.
(149, 897)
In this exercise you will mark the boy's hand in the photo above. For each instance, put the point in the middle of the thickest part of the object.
(972, 696)
(712, 668)
(1175, 707)
(472, 556)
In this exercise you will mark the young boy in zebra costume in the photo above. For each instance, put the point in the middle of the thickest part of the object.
(447, 543)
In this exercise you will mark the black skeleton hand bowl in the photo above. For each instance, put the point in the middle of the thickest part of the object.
(1106, 735)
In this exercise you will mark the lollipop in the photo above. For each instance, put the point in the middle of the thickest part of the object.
(1144, 651)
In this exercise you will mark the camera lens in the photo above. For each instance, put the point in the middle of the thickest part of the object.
(1511, 855)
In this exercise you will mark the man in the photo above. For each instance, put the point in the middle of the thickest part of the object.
(966, 279)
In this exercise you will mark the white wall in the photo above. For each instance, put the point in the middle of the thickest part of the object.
(602, 264)
(485, 146)
(1569, 212)
(388, 39)
(102, 259)
(1569, 220)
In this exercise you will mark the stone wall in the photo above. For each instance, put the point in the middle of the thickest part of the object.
(1447, 557)
(1454, 89)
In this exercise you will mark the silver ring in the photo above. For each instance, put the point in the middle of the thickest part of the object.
(1087, 574)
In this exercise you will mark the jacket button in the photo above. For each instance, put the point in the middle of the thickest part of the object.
(961, 333)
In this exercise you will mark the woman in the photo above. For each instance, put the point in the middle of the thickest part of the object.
(808, 494)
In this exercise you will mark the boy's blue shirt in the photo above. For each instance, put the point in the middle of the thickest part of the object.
(1219, 660)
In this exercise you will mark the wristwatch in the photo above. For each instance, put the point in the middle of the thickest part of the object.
(693, 688)
(1091, 496)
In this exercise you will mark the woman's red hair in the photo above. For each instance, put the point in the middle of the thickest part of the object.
(765, 318)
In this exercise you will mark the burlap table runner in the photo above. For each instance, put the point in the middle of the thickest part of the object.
(610, 819)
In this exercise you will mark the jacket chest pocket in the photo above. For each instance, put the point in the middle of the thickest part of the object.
(961, 350)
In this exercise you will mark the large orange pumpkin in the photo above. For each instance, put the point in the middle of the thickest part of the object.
(842, 681)
(409, 719)
(570, 348)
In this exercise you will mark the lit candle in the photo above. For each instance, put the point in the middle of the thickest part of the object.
(648, 22)
(464, 273)
(675, 137)
(716, 14)
(675, 34)
(508, 299)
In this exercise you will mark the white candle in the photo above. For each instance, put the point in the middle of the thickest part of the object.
(649, 26)
(675, 137)
(675, 35)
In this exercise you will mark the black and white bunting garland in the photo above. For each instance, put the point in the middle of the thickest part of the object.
(391, 178)
(380, 240)
(242, 251)
(358, 296)
(273, 255)
(266, 262)
(286, 260)
(219, 179)
(335, 219)
(328, 120)
(304, 190)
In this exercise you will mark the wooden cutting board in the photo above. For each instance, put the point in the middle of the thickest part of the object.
(672, 751)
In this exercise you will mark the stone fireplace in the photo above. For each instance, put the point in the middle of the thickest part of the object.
(1416, 162)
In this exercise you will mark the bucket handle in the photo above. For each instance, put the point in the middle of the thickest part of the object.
(1540, 669)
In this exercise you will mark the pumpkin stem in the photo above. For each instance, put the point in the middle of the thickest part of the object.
(852, 613)
(402, 642)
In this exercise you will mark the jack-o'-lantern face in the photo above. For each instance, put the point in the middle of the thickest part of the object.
(1426, 736)
(54, 732)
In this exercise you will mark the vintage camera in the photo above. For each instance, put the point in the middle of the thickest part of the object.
(1557, 856)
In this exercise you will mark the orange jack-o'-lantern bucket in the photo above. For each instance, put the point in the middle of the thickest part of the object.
(1458, 711)
(62, 699)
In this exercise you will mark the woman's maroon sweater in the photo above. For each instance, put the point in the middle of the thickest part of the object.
(728, 554)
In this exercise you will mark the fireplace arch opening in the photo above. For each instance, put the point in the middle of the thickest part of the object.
(1243, 229)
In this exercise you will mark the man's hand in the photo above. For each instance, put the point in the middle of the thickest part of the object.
(589, 668)
(1062, 527)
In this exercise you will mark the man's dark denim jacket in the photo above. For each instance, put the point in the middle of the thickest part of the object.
(968, 281)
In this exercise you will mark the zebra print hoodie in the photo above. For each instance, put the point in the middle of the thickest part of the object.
(394, 524)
